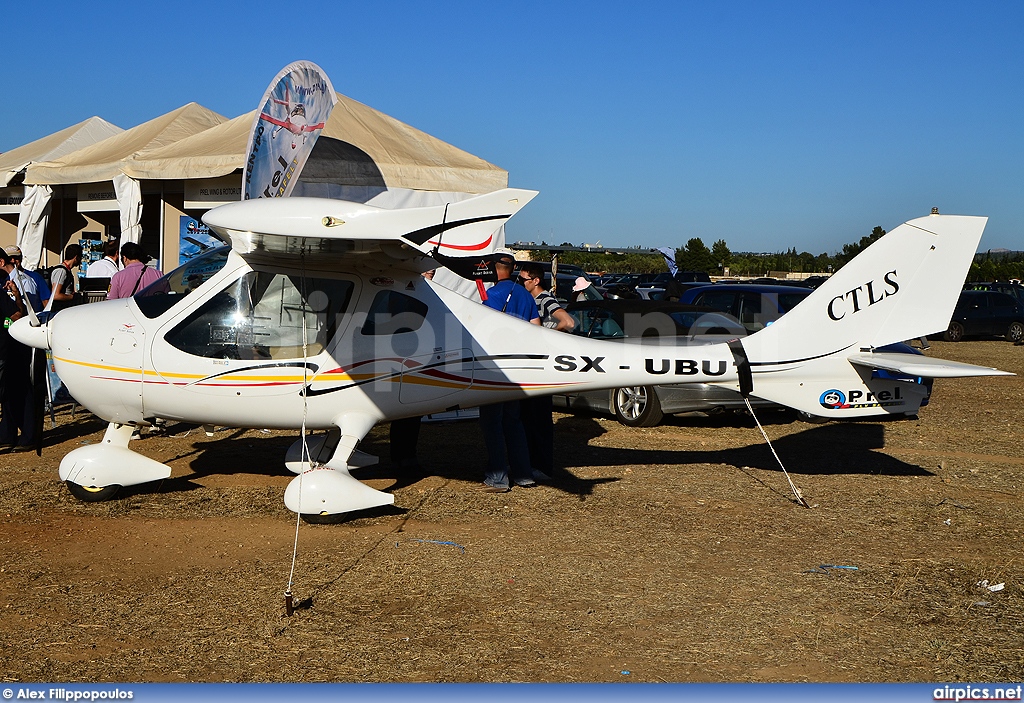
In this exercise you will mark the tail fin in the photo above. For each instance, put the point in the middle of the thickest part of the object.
(818, 356)
(903, 286)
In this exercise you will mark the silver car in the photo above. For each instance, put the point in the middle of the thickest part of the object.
(653, 322)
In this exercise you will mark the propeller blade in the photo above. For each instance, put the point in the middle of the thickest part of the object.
(39, 380)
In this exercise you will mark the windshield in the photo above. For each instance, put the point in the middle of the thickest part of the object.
(265, 315)
(159, 297)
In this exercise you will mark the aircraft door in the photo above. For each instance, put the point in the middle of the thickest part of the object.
(264, 334)
(399, 329)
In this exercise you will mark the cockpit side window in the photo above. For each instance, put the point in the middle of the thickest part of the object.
(159, 297)
(265, 315)
(394, 313)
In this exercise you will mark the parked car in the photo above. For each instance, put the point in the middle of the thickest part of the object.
(645, 406)
(673, 293)
(980, 312)
(1014, 289)
(755, 305)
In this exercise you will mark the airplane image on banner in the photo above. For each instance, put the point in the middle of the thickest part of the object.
(294, 121)
(298, 101)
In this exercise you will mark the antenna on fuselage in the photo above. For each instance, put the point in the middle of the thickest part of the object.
(444, 220)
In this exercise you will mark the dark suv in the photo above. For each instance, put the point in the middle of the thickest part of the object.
(982, 312)
(1014, 289)
(755, 305)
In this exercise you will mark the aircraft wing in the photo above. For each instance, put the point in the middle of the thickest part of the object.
(338, 226)
(274, 120)
(289, 126)
(918, 365)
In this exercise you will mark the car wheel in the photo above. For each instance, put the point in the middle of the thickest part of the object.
(955, 333)
(1015, 333)
(810, 419)
(637, 406)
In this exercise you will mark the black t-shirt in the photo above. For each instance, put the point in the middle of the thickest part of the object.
(7, 308)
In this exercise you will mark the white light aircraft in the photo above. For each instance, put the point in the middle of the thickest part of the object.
(317, 317)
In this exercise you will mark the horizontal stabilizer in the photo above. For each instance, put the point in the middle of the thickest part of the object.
(927, 367)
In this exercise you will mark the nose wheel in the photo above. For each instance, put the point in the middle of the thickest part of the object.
(92, 494)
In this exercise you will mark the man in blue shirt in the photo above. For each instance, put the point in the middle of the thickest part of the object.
(508, 297)
(504, 436)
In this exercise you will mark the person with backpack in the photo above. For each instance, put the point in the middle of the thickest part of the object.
(63, 292)
(29, 283)
(135, 275)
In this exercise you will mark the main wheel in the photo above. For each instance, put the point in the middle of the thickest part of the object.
(637, 406)
(92, 494)
(955, 333)
(1015, 332)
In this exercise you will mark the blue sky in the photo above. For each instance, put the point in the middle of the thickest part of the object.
(768, 124)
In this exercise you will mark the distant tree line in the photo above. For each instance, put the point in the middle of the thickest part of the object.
(997, 266)
(696, 256)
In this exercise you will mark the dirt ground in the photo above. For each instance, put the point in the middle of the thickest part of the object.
(668, 554)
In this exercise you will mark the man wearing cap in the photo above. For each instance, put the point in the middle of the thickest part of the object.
(15, 399)
(504, 436)
(29, 283)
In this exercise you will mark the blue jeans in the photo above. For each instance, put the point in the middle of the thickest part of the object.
(507, 453)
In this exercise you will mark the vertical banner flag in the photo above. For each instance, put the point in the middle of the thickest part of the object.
(292, 114)
(670, 259)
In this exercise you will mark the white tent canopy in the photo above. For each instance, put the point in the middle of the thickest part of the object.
(54, 146)
(103, 161)
(359, 147)
(361, 155)
(34, 212)
(217, 151)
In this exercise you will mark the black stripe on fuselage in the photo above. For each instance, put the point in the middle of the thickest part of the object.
(310, 392)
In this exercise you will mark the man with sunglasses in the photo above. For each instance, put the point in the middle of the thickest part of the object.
(537, 412)
(552, 314)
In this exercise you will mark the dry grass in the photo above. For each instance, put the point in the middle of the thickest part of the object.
(675, 553)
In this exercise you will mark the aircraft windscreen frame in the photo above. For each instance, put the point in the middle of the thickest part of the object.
(161, 295)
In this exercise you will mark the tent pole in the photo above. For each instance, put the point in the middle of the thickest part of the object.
(163, 214)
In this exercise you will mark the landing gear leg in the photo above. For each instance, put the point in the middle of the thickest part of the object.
(324, 492)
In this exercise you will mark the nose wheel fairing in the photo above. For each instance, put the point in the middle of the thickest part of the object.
(111, 463)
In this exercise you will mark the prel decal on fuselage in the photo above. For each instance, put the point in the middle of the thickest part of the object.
(834, 399)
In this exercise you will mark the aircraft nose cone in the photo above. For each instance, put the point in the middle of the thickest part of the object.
(38, 337)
